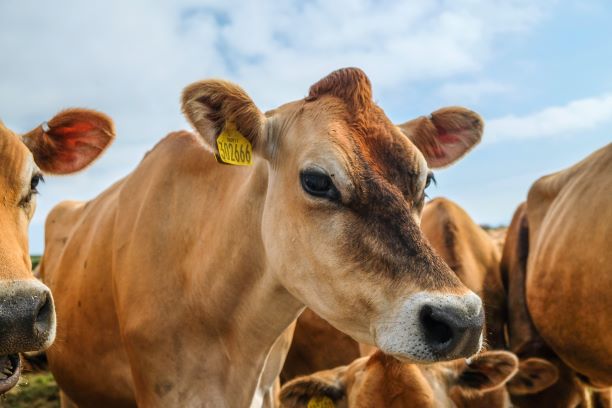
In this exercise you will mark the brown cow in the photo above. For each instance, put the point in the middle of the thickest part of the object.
(569, 267)
(383, 381)
(464, 246)
(556, 266)
(173, 285)
(68, 142)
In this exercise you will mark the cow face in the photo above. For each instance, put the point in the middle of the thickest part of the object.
(340, 223)
(382, 381)
(67, 143)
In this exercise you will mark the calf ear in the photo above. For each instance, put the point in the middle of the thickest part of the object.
(321, 390)
(446, 135)
(533, 376)
(487, 371)
(70, 141)
(212, 105)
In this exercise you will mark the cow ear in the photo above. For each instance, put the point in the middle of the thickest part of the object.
(70, 141)
(211, 106)
(533, 376)
(323, 389)
(487, 371)
(446, 135)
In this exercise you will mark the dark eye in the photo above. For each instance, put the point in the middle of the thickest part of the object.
(430, 178)
(318, 184)
(36, 179)
(34, 182)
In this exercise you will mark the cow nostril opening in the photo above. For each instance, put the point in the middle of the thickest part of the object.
(437, 331)
(43, 319)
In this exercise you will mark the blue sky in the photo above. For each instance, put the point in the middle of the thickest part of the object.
(540, 73)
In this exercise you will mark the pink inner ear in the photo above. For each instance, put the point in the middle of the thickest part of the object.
(75, 130)
(447, 138)
(76, 145)
(436, 151)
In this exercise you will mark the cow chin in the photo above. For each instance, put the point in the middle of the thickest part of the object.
(432, 327)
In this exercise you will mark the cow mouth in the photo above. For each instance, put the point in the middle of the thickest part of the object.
(10, 370)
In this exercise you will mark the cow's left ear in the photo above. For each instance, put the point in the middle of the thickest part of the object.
(487, 371)
(70, 141)
(446, 135)
(212, 105)
(322, 389)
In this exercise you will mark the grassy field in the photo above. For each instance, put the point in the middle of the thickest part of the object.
(35, 390)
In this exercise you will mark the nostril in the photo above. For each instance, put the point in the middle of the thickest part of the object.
(438, 331)
(44, 314)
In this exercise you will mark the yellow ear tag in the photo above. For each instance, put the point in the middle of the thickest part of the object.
(320, 402)
(233, 147)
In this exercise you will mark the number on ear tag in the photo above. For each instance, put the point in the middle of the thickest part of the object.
(233, 147)
(320, 402)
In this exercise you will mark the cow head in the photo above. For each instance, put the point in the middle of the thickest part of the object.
(65, 144)
(382, 381)
(340, 223)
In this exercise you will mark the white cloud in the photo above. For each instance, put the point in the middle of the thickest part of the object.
(131, 59)
(576, 116)
(473, 91)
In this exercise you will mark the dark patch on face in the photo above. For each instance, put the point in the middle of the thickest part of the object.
(385, 175)
(384, 237)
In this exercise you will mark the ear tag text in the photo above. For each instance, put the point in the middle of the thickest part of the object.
(320, 402)
(233, 147)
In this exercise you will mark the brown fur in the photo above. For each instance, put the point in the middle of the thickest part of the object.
(191, 307)
(447, 132)
(382, 381)
(462, 244)
(553, 280)
(209, 105)
(74, 139)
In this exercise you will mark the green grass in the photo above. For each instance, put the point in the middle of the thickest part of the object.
(34, 390)
(35, 260)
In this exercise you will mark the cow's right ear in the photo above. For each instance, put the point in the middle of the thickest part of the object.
(322, 389)
(533, 376)
(211, 106)
(446, 135)
(70, 141)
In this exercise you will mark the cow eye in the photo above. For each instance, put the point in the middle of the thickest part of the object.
(318, 184)
(34, 182)
(36, 179)
(430, 178)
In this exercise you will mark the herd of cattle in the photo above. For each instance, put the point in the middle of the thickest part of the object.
(180, 285)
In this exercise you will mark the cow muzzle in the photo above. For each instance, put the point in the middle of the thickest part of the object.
(27, 317)
(433, 327)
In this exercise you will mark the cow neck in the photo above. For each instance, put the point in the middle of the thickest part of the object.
(257, 309)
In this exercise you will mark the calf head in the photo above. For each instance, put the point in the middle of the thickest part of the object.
(340, 223)
(65, 144)
(383, 381)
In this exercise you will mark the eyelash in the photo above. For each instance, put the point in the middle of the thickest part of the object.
(36, 180)
(430, 178)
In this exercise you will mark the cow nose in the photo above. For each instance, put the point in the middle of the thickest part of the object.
(27, 317)
(450, 332)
